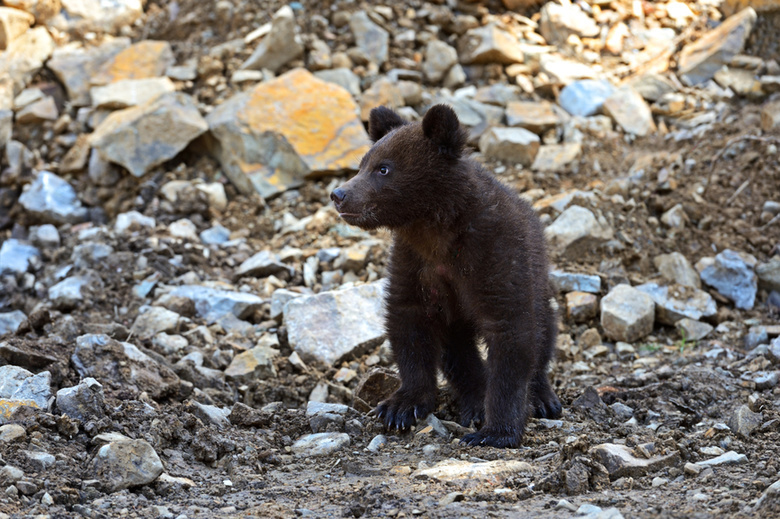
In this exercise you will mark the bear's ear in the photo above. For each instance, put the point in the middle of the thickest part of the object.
(441, 125)
(381, 120)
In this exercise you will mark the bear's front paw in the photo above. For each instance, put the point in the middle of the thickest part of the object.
(547, 405)
(493, 438)
(401, 411)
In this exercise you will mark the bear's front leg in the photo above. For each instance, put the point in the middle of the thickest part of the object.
(511, 363)
(417, 351)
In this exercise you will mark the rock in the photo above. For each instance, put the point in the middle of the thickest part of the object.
(102, 16)
(377, 443)
(38, 112)
(699, 61)
(83, 402)
(577, 229)
(556, 157)
(770, 499)
(17, 257)
(732, 277)
(10, 321)
(113, 362)
(675, 217)
(630, 111)
(558, 22)
(254, 364)
(279, 46)
(537, 117)
(279, 298)
(211, 414)
(675, 302)
(381, 93)
(18, 384)
(563, 71)
(42, 10)
(475, 116)
(742, 82)
(581, 306)
(490, 472)
(10, 433)
(46, 236)
(125, 464)
(68, 293)
(692, 330)
(744, 421)
(263, 264)
(370, 37)
(154, 320)
(675, 268)
(130, 92)
(591, 404)
(342, 77)
(729, 458)
(52, 199)
(652, 87)
(75, 65)
(86, 255)
(24, 56)
(571, 282)
(260, 150)
(627, 314)
(40, 460)
(331, 326)
(769, 275)
(439, 59)
(216, 235)
(770, 116)
(620, 462)
(320, 444)
(132, 221)
(211, 303)
(144, 136)
(183, 229)
(585, 97)
(11, 474)
(491, 43)
(144, 59)
(510, 144)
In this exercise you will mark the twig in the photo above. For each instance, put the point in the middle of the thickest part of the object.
(770, 222)
(738, 192)
(723, 150)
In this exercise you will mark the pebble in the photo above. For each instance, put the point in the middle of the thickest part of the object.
(69, 292)
(125, 464)
(377, 443)
(692, 330)
(11, 321)
(263, 264)
(619, 461)
(493, 472)
(10, 433)
(212, 303)
(320, 444)
(280, 46)
(516, 145)
(369, 37)
(585, 98)
(130, 92)
(732, 276)
(490, 43)
(156, 319)
(728, 458)
(254, 364)
(581, 306)
(676, 302)
(52, 199)
(575, 230)
(769, 275)
(675, 268)
(630, 111)
(45, 236)
(627, 314)
(84, 402)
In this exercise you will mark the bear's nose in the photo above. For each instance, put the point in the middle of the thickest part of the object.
(338, 195)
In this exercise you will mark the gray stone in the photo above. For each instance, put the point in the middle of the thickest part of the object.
(184, 229)
(774, 350)
(279, 298)
(279, 46)
(675, 217)
(622, 411)
(732, 277)
(10, 321)
(216, 235)
(213, 303)
(491, 43)
(88, 254)
(620, 462)
(572, 282)
(537, 117)
(126, 464)
(370, 37)
(10, 474)
(343, 77)
(476, 117)
(692, 330)
(556, 157)
(770, 116)
(452, 470)
(575, 230)
(676, 302)
(69, 292)
(630, 111)
(652, 87)
(558, 22)
(11, 377)
(84, 402)
(331, 326)
(581, 306)
(377, 443)
(315, 408)
(700, 60)
(729, 458)
(130, 92)
(627, 314)
(211, 414)
(156, 319)
(585, 97)
(52, 199)
(439, 58)
(676, 268)
(516, 145)
(320, 444)
(254, 364)
(107, 360)
(45, 236)
(10, 433)
(24, 57)
(765, 379)
(144, 136)
(105, 17)
(770, 499)
(769, 274)
(41, 460)
(744, 421)
(264, 263)
(18, 384)
(133, 221)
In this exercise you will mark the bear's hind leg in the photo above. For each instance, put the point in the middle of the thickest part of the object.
(465, 371)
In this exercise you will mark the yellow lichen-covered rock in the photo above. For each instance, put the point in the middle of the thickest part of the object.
(148, 58)
(296, 126)
(25, 56)
(13, 23)
(8, 406)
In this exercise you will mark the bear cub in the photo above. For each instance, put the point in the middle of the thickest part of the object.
(468, 262)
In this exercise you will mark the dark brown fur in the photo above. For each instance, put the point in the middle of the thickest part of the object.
(468, 262)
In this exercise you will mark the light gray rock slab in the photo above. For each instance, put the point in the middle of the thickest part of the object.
(10, 321)
(126, 464)
(370, 38)
(17, 257)
(50, 198)
(575, 229)
(620, 461)
(280, 46)
(573, 282)
(585, 97)
(675, 302)
(728, 458)
(213, 303)
(84, 402)
(627, 314)
(320, 444)
(675, 268)
(733, 277)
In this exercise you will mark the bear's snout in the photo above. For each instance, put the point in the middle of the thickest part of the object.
(338, 195)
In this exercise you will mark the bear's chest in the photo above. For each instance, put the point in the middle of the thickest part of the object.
(443, 290)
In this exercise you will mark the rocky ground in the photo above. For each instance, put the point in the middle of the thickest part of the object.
(188, 330)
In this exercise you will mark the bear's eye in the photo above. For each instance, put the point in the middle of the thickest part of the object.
(384, 170)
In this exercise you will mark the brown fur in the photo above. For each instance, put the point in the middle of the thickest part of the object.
(468, 262)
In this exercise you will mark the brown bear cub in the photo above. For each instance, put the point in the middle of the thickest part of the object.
(468, 261)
